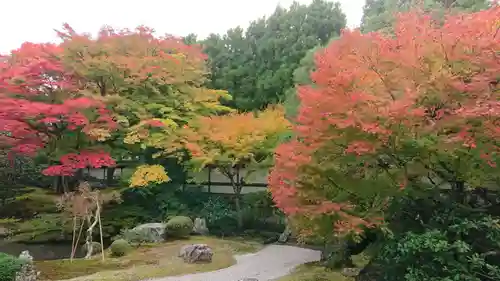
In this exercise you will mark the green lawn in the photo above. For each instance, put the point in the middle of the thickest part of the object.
(146, 262)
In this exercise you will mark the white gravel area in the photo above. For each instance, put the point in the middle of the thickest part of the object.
(270, 263)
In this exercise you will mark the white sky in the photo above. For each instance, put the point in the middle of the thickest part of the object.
(35, 20)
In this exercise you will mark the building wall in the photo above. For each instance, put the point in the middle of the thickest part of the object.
(259, 178)
(101, 173)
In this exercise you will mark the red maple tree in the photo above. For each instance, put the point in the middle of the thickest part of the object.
(419, 108)
(43, 109)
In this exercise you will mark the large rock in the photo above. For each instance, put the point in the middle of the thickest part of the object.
(200, 226)
(196, 253)
(152, 232)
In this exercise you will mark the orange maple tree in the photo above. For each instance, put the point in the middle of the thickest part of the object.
(237, 145)
(152, 83)
(140, 72)
(417, 109)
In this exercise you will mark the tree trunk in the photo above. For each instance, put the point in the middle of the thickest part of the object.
(110, 172)
(64, 183)
(239, 214)
(77, 179)
(55, 184)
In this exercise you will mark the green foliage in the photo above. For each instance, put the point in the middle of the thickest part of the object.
(259, 212)
(120, 248)
(143, 205)
(301, 76)
(137, 237)
(44, 227)
(220, 216)
(9, 265)
(447, 241)
(378, 15)
(256, 65)
(18, 171)
(179, 227)
(122, 216)
(27, 202)
(164, 201)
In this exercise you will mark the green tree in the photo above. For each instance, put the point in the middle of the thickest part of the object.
(191, 39)
(378, 15)
(301, 76)
(256, 66)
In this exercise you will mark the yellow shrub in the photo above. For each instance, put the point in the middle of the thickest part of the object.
(148, 174)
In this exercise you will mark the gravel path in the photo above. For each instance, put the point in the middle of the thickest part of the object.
(270, 263)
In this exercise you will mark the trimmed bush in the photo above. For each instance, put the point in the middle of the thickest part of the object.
(179, 227)
(9, 265)
(120, 248)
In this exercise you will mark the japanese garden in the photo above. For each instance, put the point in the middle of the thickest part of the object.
(295, 149)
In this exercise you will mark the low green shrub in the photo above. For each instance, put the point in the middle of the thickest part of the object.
(42, 228)
(122, 216)
(220, 216)
(120, 248)
(260, 212)
(9, 265)
(179, 227)
(137, 237)
(434, 255)
(449, 241)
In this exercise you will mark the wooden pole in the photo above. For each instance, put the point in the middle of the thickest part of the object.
(73, 246)
(100, 230)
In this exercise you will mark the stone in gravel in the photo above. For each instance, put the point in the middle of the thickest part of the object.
(350, 272)
(249, 279)
(196, 253)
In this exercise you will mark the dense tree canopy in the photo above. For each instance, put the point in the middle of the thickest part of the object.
(232, 142)
(43, 108)
(256, 65)
(415, 110)
(120, 92)
(301, 76)
(380, 14)
(149, 81)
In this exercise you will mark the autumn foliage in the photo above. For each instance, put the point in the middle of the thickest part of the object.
(42, 108)
(150, 81)
(231, 142)
(148, 174)
(234, 139)
(419, 109)
(77, 101)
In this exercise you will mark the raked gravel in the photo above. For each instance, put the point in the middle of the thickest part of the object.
(270, 263)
